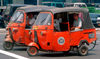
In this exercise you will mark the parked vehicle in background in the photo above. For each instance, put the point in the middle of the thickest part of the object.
(91, 7)
(1, 13)
(10, 9)
(95, 17)
(75, 5)
(56, 4)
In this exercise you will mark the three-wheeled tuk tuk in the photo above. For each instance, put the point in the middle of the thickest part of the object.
(20, 25)
(52, 31)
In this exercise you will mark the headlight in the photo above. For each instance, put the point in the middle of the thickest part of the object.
(91, 35)
(30, 32)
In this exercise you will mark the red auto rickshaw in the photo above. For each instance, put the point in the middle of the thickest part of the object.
(52, 31)
(20, 26)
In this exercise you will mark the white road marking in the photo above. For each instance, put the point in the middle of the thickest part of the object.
(2, 29)
(2, 33)
(12, 55)
(0, 43)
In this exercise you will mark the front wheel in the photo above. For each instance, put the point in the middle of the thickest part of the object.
(8, 45)
(83, 50)
(32, 51)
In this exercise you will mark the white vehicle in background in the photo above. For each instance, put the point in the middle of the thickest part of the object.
(80, 5)
(75, 5)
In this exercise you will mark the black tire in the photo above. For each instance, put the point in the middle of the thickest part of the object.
(32, 51)
(83, 50)
(8, 45)
(92, 45)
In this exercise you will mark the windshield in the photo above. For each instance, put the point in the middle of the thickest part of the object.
(80, 5)
(17, 17)
(90, 5)
(43, 19)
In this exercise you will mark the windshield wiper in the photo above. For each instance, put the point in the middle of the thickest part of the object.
(43, 20)
(17, 18)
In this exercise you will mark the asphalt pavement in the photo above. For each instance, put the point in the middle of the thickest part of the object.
(20, 52)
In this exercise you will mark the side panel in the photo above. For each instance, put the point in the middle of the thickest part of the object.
(27, 37)
(45, 39)
(61, 41)
(45, 34)
(90, 35)
(76, 37)
(18, 34)
(18, 30)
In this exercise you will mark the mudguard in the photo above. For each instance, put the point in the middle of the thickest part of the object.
(11, 35)
(34, 44)
(8, 39)
(83, 41)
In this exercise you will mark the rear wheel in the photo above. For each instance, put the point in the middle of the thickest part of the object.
(8, 45)
(92, 45)
(32, 51)
(83, 50)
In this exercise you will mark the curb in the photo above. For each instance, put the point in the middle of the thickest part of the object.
(97, 29)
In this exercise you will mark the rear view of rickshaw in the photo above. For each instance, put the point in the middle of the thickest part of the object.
(19, 27)
(62, 30)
